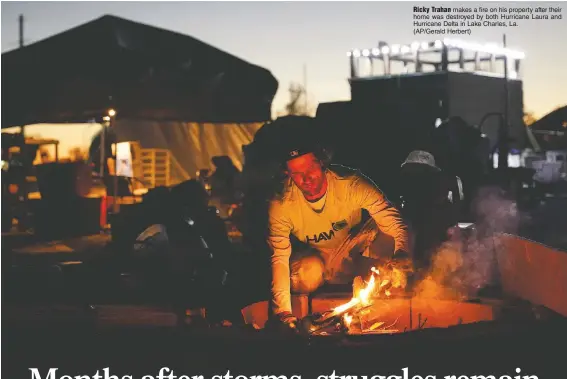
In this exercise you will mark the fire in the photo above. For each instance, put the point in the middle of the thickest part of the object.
(365, 295)
(347, 319)
(379, 284)
(345, 307)
(355, 315)
(362, 298)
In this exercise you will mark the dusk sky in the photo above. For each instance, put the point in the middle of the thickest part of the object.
(283, 36)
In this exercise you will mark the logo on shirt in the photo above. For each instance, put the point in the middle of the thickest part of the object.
(323, 236)
(326, 236)
(339, 225)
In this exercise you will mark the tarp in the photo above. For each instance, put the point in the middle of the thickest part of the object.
(550, 131)
(192, 144)
(141, 71)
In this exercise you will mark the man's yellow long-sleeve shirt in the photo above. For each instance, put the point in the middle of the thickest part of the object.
(348, 193)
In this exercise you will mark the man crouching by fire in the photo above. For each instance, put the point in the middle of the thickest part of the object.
(322, 206)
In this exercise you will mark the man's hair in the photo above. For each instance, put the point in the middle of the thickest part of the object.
(283, 180)
(267, 156)
(320, 153)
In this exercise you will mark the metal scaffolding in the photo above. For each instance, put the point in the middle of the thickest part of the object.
(440, 55)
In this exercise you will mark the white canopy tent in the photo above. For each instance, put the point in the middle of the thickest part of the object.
(192, 145)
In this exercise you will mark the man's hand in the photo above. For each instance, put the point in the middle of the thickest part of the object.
(284, 322)
(288, 319)
(401, 260)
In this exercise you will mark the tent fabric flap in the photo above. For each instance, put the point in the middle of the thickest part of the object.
(192, 145)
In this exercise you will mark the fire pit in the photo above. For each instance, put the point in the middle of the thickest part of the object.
(371, 309)
(400, 315)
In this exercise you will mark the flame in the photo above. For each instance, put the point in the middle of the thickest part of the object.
(347, 318)
(387, 279)
(346, 306)
(363, 296)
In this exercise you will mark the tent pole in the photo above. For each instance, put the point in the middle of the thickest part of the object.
(102, 150)
(115, 177)
(103, 163)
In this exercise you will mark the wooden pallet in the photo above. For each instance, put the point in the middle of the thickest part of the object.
(156, 167)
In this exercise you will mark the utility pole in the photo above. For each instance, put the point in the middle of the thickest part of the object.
(305, 86)
(503, 135)
(21, 33)
(21, 24)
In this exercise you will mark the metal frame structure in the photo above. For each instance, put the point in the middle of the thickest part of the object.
(438, 55)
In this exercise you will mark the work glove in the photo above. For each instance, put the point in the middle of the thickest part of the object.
(403, 270)
(283, 322)
(402, 261)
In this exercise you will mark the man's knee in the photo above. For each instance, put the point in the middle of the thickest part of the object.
(307, 274)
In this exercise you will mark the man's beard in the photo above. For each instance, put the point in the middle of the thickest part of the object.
(314, 192)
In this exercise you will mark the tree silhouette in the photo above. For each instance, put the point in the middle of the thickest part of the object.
(529, 118)
(298, 104)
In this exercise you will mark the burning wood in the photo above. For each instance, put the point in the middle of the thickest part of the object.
(348, 317)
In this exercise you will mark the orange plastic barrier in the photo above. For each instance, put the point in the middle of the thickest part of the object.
(533, 272)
